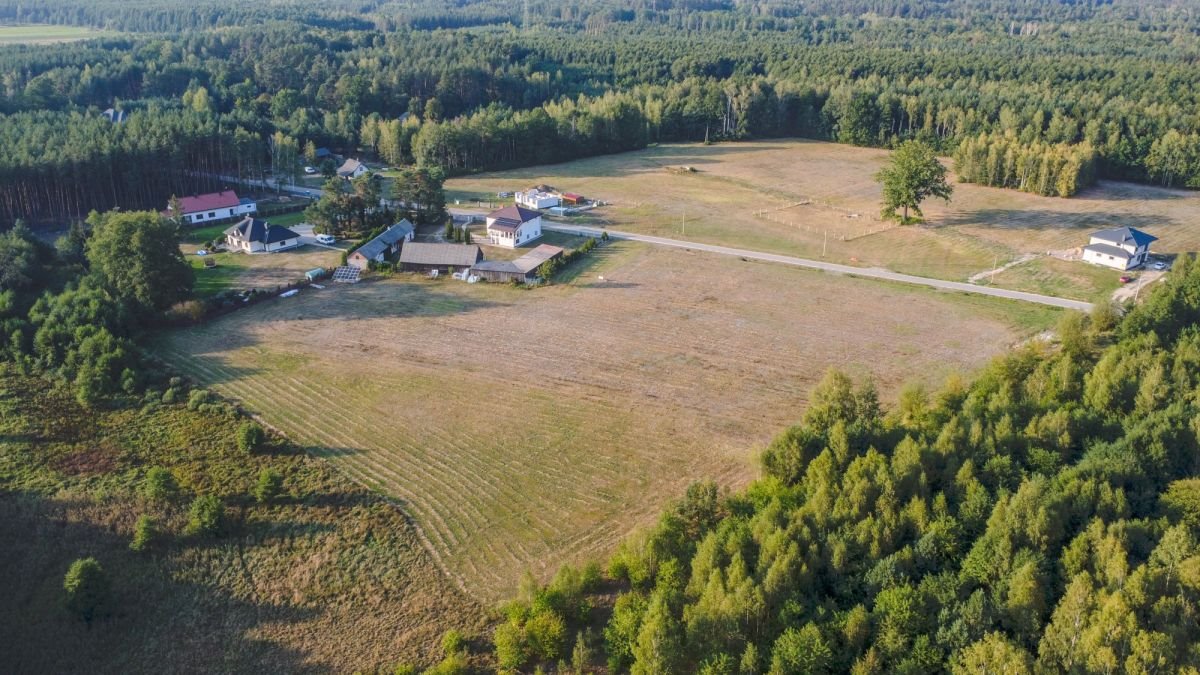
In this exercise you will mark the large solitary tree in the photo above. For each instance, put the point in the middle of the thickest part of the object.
(913, 174)
(136, 256)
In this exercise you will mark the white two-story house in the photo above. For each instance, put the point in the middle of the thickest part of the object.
(1122, 248)
(513, 226)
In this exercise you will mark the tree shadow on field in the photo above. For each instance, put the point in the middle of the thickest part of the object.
(1117, 191)
(1042, 219)
(154, 622)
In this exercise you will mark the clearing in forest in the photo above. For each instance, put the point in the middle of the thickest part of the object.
(808, 198)
(524, 429)
(34, 34)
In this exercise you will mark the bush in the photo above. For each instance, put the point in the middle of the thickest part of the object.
(87, 588)
(269, 486)
(145, 532)
(170, 396)
(206, 516)
(512, 647)
(158, 485)
(197, 398)
(453, 642)
(249, 437)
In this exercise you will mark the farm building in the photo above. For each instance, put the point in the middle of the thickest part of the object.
(513, 226)
(212, 207)
(382, 247)
(253, 235)
(537, 198)
(523, 269)
(572, 198)
(1121, 248)
(352, 168)
(418, 257)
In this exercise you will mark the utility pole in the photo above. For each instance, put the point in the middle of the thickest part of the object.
(825, 245)
(685, 221)
(995, 269)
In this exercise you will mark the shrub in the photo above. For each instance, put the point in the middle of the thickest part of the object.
(87, 588)
(206, 516)
(144, 533)
(158, 485)
(249, 437)
(170, 396)
(404, 669)
(453, 642)
(512, 647)
(269, 486)
(197, 398)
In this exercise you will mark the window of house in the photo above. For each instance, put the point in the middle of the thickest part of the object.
(212, 214)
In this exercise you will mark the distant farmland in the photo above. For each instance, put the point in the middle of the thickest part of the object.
(44, 34)
(807, 198)
(523, 429)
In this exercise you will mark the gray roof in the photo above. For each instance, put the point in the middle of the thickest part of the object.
(510, 218)
(1119, 236)
(523, 265)
(1107, 249)
(452, 255)
(386, 239)
(255, 230)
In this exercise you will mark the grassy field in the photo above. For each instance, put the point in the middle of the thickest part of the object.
(523, 429)
(327, 578)
(810, 198)
(33, 34)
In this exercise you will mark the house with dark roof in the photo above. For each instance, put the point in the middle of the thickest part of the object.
(253, 235)
(212, 207)
(523, 269)
(419, 257)
(352, 168)
(382, 247)
(1122, 248)
(513, 226)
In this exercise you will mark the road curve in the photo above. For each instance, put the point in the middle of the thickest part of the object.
(867, 272)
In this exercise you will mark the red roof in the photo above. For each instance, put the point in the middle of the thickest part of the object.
(209, 202)
(572, 196)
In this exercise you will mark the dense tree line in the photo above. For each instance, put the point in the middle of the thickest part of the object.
(597, 77)
(1045, 516)
(1003, 160)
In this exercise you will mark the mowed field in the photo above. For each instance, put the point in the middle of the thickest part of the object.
(32, 34)
(524, 429)
(809, 198)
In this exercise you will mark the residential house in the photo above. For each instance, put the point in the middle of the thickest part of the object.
(523, 269)
(419, 257)
(212, 208)
(513, 226)
(382, 247)
(352, 168)
(537, 198)
(253, 235)
(1122, 248)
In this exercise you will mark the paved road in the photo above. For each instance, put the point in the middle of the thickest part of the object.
(868, 272)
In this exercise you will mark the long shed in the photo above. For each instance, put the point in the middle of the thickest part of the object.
(421, 257)
(523, 269)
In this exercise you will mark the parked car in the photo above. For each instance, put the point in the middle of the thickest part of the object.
(310, 170)
(1125, 279)
(1160, 265)
(325, 239)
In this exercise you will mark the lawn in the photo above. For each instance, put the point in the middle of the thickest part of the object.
(526, 428)
(816, 199)
(46, 34)
(264, 271)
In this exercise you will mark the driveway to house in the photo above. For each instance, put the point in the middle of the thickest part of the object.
(867, 272)
(308, 238)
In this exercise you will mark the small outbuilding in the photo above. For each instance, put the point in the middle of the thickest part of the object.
(1122, 248)
(523, 269)
(420, 257)
(253, 235)
(383, 246)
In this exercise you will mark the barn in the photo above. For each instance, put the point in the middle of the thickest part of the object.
(523, 269)
(419, 257)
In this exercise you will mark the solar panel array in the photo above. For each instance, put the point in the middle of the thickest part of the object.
(347, 275)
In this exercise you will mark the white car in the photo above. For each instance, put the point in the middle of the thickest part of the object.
(325, 239)
(310, 170)
(1160, 265)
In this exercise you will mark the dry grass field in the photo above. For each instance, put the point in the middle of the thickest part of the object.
(524, 429)
(721, 203)
(40, 34)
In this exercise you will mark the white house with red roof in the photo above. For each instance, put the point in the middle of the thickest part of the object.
(213, 207)
(513, 226)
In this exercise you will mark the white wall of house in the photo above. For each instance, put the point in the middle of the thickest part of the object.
(527, 232)
(1137, 255)
(221, 214)
(280, 245)
(1097, 258)
(235, 244)
(537, 200)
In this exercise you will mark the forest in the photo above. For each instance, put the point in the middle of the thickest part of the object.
(471, 86)
(1043, 517)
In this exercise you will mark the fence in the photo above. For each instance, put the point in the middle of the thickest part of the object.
(840, 231)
